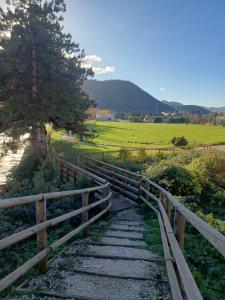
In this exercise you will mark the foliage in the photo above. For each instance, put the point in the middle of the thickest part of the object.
(41, 74)
(179, 141)
(142, 154)
(206, 265)
(175, 178)
(125, 154)
(39, 178)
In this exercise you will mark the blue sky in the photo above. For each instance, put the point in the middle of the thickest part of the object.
(173, 49)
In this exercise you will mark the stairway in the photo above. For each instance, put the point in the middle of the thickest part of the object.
(112, 264)
(11, 160)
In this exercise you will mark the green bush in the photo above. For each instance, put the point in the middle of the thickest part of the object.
(179, 141)
(125, 154)
(175, 178)
(142, 155)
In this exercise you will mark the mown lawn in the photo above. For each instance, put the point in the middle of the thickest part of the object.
(150, 134)
(106, 135)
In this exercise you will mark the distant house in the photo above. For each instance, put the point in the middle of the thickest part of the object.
(220, 120)
(109, 117)
(105, 115)
(92, 113)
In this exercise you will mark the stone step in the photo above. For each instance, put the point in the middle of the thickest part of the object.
(136, 269)
(58, 284)
(127, 228)
(122, 241)
(123, 234)
(130, 214)
(113, 252)
(117, 221)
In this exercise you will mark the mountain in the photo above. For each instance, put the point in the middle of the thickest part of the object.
(123, 96)
(217, 109)
(188, 108)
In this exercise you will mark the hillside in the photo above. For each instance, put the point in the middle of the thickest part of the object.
(123, 96)
(217, 109)
(187, 108)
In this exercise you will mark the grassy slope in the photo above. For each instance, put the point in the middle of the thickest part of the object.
(140, 135)
(148, 134)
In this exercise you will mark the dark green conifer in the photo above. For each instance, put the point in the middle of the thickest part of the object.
(40, 70)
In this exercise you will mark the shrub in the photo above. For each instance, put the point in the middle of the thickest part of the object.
(142, 154)
(179, 141)
(125, 154)
(177, 179)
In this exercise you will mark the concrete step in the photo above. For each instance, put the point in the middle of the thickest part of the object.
(58, 284)
(123, 234)
(119, 268)
(117, 221)
(108, 241)
(113, 252)
(127, 228)
(130, 214)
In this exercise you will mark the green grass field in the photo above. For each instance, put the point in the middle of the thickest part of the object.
(150, 135)
(107, 135)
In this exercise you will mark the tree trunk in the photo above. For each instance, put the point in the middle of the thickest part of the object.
(39, 141)
(39, 138)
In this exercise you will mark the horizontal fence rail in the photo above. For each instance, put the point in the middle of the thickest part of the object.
(68, 172)
(182, 283)
(133, 186)
(123, 181)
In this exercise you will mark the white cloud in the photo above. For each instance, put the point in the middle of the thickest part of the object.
(162, 90)
(103, 70)
(89, 61)
(91, 58)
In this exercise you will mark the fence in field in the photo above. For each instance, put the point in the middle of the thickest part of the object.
(139, 152)
(105, 177)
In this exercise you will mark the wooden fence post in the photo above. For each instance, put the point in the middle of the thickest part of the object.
(139, 186)
(180, 229)
(162, 199)
(42, 242)
(168, 207)
(85, 200)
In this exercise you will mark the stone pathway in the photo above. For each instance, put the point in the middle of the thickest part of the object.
(113, 264)
(11, 160)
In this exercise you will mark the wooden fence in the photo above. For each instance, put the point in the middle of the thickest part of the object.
(123, 181)
(180, 277)
(68, 171)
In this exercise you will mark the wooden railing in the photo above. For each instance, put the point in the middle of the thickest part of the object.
(68, 171)
(123, 181)
(180, 277)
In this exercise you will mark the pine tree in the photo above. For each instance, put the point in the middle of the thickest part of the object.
(40, 71)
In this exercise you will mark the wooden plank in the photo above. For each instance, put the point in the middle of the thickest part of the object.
(22, 235)
(216, 238)
(189, 284)
(81, 171)
(8, 203)
(71, 234)
(42, 234)
(180, 229)
(113, 181)
(111, 172)
(12, 277)
(85, 199)
(111, 166)
(174, 285)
